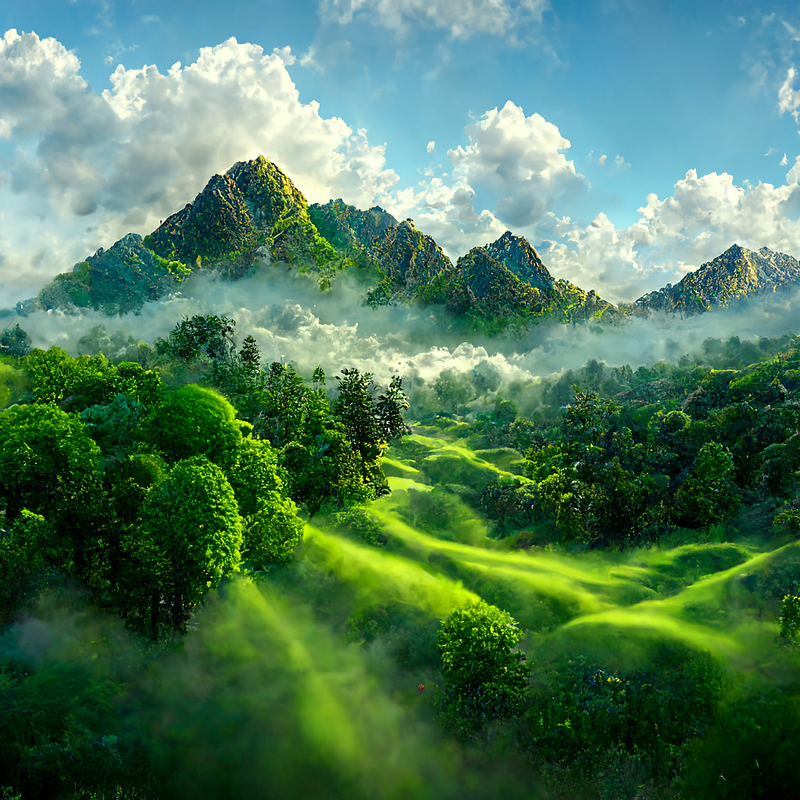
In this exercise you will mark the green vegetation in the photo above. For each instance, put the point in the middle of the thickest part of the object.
(485, 677)
(219, 577)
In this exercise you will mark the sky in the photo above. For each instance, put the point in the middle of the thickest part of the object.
(629, 142)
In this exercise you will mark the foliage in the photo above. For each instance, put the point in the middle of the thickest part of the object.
(193, 421)
(790, 618)
(594, 718)
(14, 342)
(77, 383)
(486, 677)
(62, 735)
(189, 538)
(708, 496)
(48, 465)
(208, 337)
(357, 521)
(271, 533)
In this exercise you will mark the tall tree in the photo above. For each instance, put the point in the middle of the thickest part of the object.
(189, 538)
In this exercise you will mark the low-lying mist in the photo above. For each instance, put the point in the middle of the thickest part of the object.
(294, 322)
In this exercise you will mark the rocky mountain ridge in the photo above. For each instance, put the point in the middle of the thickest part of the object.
(253, 218)
(736, 274)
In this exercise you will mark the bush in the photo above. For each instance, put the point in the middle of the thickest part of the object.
(486, 677)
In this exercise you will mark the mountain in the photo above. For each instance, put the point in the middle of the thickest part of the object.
(349, 228)
(116, 281)
(253, 216)
(252, 211)
(736, 274)
(505, 287)
(517, 255)
(408, 261)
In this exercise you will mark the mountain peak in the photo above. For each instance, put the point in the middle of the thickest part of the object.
(516, 254)
(253, 210)
(735, 274)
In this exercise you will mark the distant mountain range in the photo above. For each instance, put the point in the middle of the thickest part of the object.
(253, 217)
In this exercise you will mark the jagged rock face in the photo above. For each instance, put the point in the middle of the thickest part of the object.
(252, 210)
(117, 280)
(516, 254)
(483, 287)
(349, 228)
(736, 274)
(216, 224)
(409, 261)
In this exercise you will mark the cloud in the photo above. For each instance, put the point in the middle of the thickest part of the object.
(125, 159)
(704, 216)
(617, 164)
(431, 147)
(462, 20)
(308, 59)
(514, 164)
(519, 160)
(788, 97)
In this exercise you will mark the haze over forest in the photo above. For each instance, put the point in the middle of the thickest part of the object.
(392, 406)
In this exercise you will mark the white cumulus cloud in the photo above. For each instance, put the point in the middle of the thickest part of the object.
(145, 147)
(705, 215)
(514, 163)
(519, 160)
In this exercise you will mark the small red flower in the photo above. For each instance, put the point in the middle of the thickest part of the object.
(421, 687)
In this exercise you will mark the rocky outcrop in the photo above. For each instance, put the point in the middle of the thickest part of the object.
(408, 261)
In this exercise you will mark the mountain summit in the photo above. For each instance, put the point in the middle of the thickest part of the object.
(736, 274)
(253, 210)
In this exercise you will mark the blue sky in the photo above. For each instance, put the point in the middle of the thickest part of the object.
(629, 141)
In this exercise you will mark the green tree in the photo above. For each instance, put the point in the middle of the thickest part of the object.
(208, 338)
(255, 472)
(486, 677)
(194, 420)
(271, 525)
(708, 495)
(249, 355)
(189, 538)
(370, 423)
(29, 557)
(790, 618)
(77, 383)
(15, 342)
(48, 465)
(271, 533)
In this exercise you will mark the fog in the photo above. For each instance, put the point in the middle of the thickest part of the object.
(294, 322)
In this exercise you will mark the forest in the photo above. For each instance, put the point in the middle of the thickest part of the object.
(222, 577)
